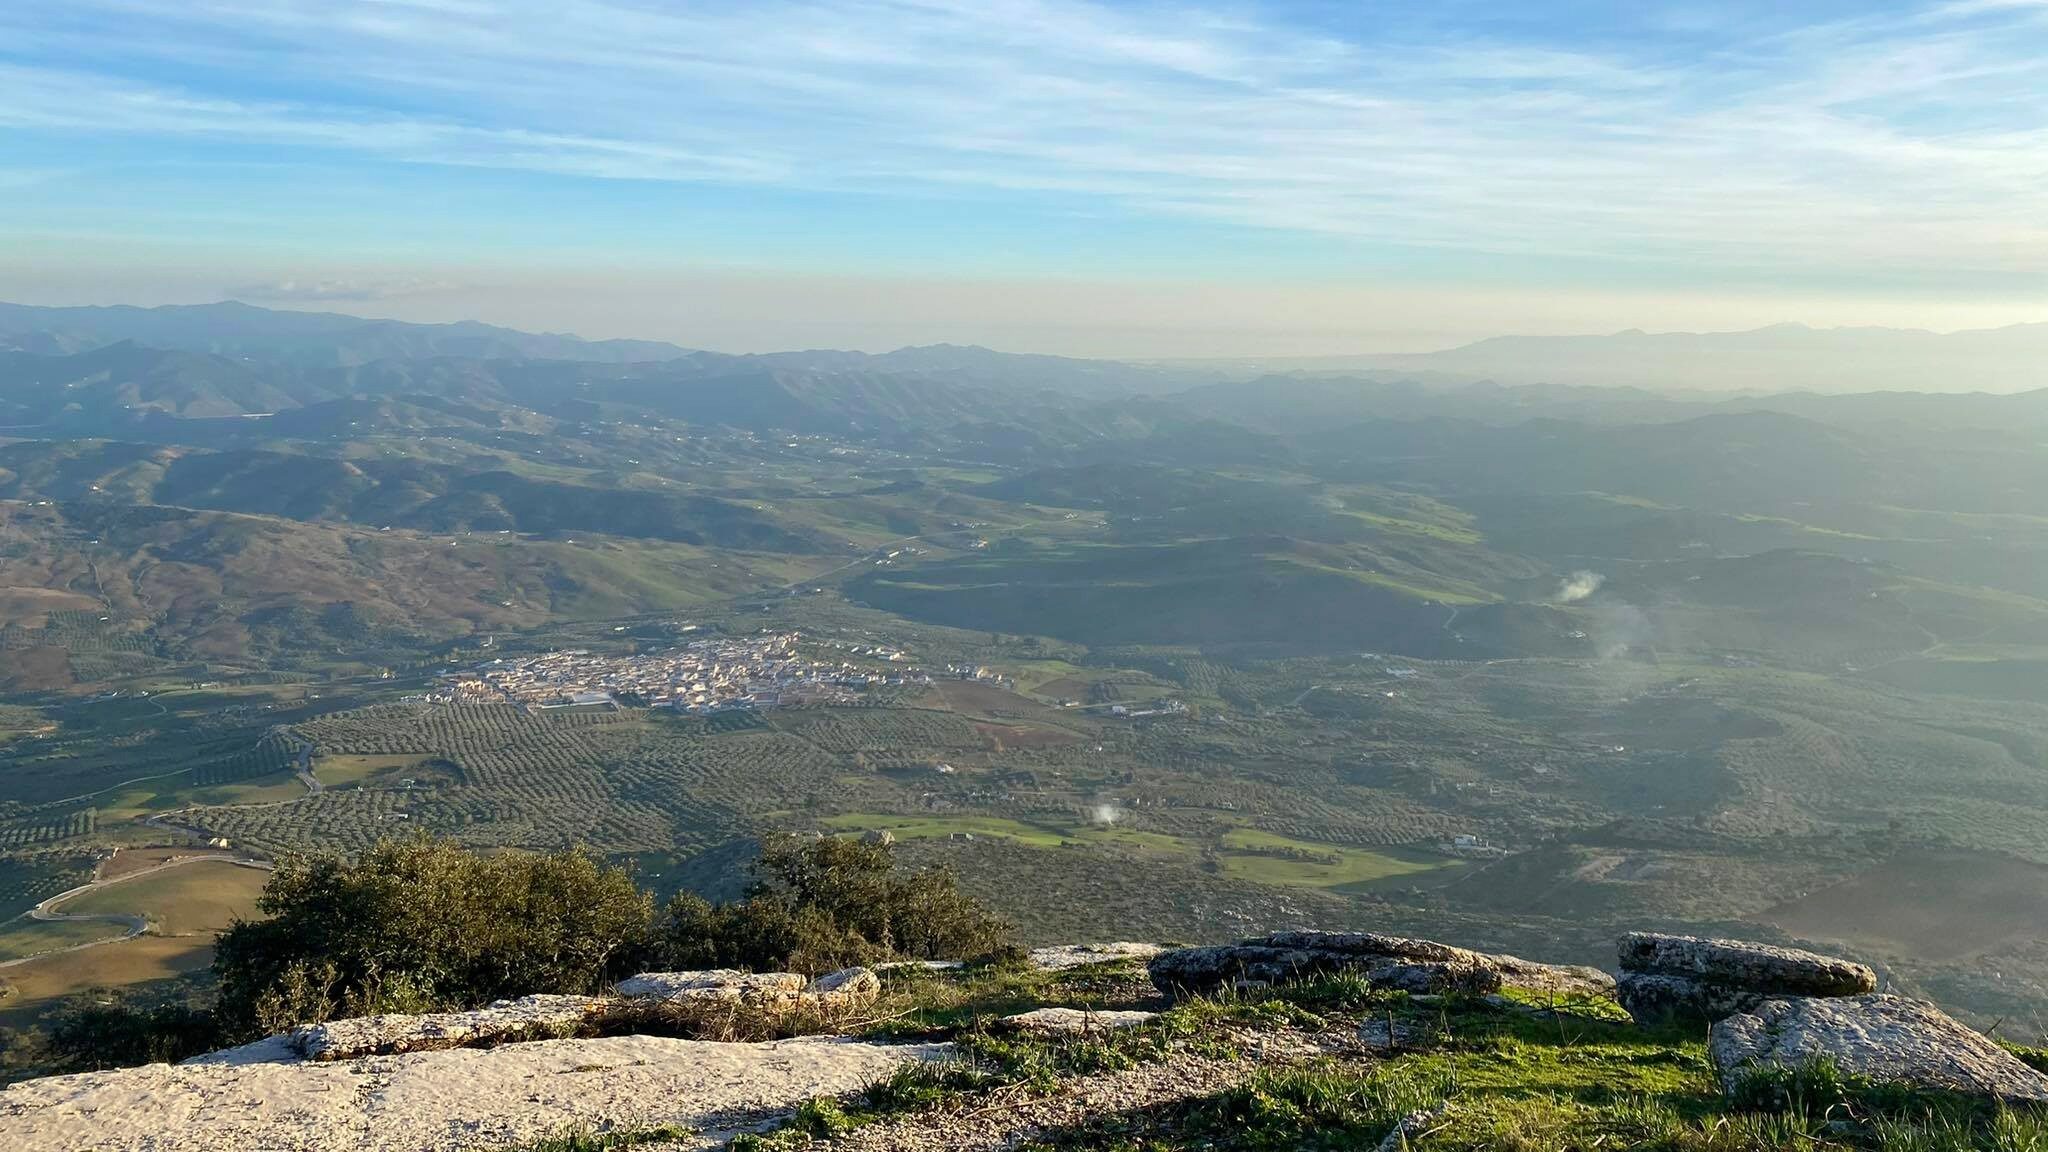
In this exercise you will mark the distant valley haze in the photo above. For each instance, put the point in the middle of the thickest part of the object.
(1774, 359)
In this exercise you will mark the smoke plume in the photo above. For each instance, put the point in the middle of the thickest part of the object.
(1578, 586)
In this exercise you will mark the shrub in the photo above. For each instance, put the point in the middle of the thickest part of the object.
(818, 905)
(417, 924)
(105, 1029)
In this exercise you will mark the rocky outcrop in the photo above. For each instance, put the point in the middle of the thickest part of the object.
(1073, 1021)
(846, 988)
(1387, 961)
(1688, 977)
(849, 986)
(712, 984)
(507, 1021)
(1792, 971)
(509, 1096)
(1064, 956)
(1877, 1038)
(650, 998)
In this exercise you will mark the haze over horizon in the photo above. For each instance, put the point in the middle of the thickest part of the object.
(1267, 178)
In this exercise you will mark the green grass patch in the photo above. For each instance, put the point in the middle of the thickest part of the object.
(941, 827)
(1267, 858)
(346, 771)
(1018, 831)
(201, 897)
(23, 938)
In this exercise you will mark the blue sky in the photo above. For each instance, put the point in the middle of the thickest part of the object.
(1720, 161)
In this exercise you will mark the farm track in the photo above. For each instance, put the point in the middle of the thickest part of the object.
(137, 925)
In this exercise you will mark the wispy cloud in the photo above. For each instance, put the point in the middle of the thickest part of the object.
(1894, 142)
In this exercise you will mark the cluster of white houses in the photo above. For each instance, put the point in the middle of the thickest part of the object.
(759, 671)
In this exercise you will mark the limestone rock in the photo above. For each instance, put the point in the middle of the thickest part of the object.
(1670, 977)
(713, 984)
(1072, 1021)
(1650, 998)
(1061, 957)
(1387, 961)
(1421, 966)
(1564, 979)
(847, 986)
(269, 1050)
(1761, 967)
(1886, 1039)
(527, 1018)
(505, 1097)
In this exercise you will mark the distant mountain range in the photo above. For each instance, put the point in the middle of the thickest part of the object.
(317, 340)
(311, 338)
(1780, 358)
(1784, 358)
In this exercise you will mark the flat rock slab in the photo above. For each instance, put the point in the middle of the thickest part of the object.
(1739, 964)
(1074, 1021)
(713, 984)
(462, 1098)
(1423, 966)
(527, 1018)
(848, 986)
(1064, 956)
(1653, 999)
(1886, 1039)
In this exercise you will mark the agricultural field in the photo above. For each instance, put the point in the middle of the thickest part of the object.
(22, 938)
(361, 771)
(29, 990)
(178, 908)
(1264, 858)
(1930, 905)
(187, 899)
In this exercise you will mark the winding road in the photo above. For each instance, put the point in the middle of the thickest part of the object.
(137, 925)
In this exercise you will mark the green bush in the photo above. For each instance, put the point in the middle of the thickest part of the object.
(418, 924)
(106, 1029)
(818, 905)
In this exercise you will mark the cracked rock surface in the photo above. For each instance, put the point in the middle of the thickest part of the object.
(463, 1098)
(1886, 1039)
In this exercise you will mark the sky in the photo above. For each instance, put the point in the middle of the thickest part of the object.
(1307, 177)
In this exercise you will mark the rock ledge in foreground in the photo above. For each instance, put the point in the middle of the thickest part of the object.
(1388, 961)
(1879, 1038)
(1668, 977)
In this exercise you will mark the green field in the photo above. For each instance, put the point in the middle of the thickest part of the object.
(24, 937)
(32, 988)
(354, 771)
(186, 899)
(942, 827)
(156, 796)
(1333, 867)
(1094, 834)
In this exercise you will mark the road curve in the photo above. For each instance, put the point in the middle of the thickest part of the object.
(137, 925)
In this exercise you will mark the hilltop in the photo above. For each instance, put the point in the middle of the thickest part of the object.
(1324, 1041)
(426, 997)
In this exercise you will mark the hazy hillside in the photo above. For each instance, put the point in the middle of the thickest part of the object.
(309, 338)
(1785, 357)
(1254, 651)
